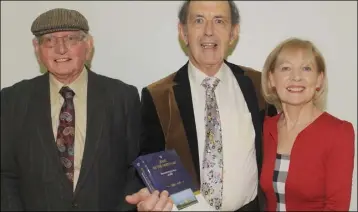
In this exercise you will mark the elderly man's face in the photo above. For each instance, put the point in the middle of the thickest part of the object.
(208, 32)
(64, 53)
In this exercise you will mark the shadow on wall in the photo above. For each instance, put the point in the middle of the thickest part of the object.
(185, 48)
(88, 62)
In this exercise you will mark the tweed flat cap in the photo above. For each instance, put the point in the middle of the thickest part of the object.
(59, 19)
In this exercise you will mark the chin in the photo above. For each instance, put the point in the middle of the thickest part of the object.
(62, 71)
(296, 102)
(212, 61)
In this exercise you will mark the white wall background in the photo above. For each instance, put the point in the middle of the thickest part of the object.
(137, 42)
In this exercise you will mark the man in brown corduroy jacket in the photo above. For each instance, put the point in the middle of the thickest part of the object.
(210, 111)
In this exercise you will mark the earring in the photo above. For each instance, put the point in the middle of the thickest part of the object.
(318, 89)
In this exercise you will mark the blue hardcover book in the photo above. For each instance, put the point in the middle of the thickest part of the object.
(164, 171)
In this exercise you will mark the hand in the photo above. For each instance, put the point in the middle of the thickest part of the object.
(150, 202)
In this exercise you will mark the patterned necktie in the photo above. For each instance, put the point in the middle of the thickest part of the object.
(212, 183)
(66, 132)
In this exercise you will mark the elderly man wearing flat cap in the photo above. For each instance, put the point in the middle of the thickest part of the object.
(68, 137)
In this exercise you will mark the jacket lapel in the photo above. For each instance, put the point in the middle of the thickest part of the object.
(41, 104)
(96, 114)
(183, 98)
(246, 87)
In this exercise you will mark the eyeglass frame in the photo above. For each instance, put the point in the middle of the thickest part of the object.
(67, 42)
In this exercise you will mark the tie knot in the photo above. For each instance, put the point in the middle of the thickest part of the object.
(210, 83)
(67, 93)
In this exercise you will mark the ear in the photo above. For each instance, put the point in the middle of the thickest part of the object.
(36, 45)
(234, 33)
(320, 80)
(183, 33)
(89, 51)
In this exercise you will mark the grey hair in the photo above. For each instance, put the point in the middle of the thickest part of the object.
(184, 10)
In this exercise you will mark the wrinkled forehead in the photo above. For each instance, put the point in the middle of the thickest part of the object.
(299, 52)
(64, 33)
(209, 8)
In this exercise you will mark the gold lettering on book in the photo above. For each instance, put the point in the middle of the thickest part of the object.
(175, 184)
(163, 163)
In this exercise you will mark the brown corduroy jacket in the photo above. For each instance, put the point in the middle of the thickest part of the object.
(168, 116)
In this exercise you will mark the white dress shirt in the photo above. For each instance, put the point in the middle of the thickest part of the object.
(238, 136)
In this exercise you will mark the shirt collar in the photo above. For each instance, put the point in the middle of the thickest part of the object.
(78, 86)
(198, 76)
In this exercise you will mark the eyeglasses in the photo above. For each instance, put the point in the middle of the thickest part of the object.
(68, 40)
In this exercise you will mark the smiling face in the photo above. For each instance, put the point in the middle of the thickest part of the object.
(63, 53)
(208, 33)
(296, 76)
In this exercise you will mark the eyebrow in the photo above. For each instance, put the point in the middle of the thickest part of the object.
(219, 16)
(197, 16)
(305, 63)
(202, 16)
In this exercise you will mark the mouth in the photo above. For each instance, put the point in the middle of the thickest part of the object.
(62, 60)
(209, 45)
(295, 89)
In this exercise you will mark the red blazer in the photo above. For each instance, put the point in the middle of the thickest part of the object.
(321, 165)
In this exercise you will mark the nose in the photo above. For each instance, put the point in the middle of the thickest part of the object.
(296, 75)
(61, 47)
(209, 28)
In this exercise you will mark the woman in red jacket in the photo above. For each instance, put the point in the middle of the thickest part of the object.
(308, 153)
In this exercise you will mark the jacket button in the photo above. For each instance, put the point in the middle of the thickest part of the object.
(74, 205)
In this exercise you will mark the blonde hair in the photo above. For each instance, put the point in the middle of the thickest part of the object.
(292, 45)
